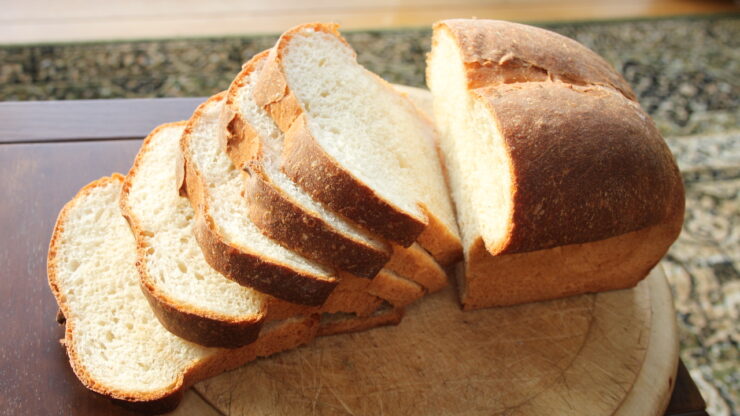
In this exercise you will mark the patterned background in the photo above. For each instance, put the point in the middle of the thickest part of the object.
(686, 72)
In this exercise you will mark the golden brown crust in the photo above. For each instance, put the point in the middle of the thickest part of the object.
(415, 264)
(586, 164)
(351, 296)
(203, 330)
(285, 221)
(344, 323)
(394, 289)
(440, 241)
(276, 213)
(238, 263)
(309, 166)
(242, 143)
(183, 320)
(495, 52)
(614, 263)
(287, 336)
(312, 168)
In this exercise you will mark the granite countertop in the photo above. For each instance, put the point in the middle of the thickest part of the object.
(686, 72)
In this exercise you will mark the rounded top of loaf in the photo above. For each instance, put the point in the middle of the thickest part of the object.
(498, 52)
(586, 164)
(568, 146)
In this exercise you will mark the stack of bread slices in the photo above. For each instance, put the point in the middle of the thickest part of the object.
(307, 199)
(311, 198)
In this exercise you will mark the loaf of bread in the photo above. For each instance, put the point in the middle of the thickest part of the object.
(562, 184)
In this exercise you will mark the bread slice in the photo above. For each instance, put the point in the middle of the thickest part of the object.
(231, 242)
(562, 184)
(353, 142)
(191, 299)
(116, 345)
(416, 264)
(280, 208)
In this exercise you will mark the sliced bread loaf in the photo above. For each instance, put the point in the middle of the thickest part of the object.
(562, 184)
(231, 242)
(116, 345)
(279, 208)
(190, 298)
(353, 142)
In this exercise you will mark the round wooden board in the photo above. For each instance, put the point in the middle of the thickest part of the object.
(602, 354)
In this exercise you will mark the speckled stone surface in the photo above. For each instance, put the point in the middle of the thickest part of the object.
(702, 266)
(685, 71)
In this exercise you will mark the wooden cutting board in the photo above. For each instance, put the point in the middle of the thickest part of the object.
(611, 353)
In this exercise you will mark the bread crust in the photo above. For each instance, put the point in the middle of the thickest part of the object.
(202, 327)
(276, 213)
(586, 164)
(350, 297)
(415, 264)
(618, 262)
(309, 166)
(331, 325)
(202, 330)
(282, 219)
(394, 289)
(305, 161)
(239, 263)
(441, 242)
(290, 335)
(496, 52)
(240, 141)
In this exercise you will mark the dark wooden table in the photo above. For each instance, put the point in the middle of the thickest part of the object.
(48, 150)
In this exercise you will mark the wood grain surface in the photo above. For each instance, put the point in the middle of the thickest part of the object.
(548, 358)
(88, 120)
(35, 378)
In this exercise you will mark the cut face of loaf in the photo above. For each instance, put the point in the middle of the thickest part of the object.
(547, 154)
(231, 242)
(353, 142)
(189, 297)
(116, 345)
(281, 209)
